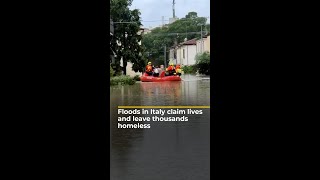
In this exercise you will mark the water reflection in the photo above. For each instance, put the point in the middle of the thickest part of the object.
(171, 150)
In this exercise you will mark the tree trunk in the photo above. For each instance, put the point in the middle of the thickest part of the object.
(125, 67)
(123, 57)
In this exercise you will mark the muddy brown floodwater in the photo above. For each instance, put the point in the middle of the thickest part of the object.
(167, 150)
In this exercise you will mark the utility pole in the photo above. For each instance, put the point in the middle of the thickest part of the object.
(173, 10)
(164, 56)
(124, 60)
(162, 21)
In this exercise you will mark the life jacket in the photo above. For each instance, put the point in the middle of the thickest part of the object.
(149, 68)
(178, 70)
(170, 68)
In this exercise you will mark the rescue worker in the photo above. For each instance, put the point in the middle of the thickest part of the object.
(171, 69)
(178, 70)
(149, 69)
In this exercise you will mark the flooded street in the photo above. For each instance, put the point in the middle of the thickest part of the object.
(168, 150)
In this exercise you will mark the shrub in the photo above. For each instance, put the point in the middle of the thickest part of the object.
(136, 78)
(123, 80)
(113, 81)
(203, 63)
(189, 69)
(111, 71)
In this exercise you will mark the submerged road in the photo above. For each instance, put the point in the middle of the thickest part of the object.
(167, 150)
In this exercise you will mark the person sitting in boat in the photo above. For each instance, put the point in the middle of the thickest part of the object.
(149, 69)
(156, 72)
(171, 70)
(178, 70)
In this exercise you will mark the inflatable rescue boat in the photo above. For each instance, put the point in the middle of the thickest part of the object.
(149, 78)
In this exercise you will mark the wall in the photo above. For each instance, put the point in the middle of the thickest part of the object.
(192, 51)
(179, 56)
(130, 72)
(198, 46)
(190, 54)
(207, 44)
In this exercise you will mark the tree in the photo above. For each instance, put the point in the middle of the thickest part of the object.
(203, 63)
(192, 15)
(165, 36)
(126, 38)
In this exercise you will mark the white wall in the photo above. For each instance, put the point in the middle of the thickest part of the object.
(130, 72)
(190, 54)
(203, 46)
(199, 46)
(179, 56)
(207, 44)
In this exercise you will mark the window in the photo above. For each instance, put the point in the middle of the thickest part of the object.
(183, 54)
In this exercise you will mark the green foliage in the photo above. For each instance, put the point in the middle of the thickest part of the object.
(136, 78)
(123, 80)
(203, 63)
(111, 71)
(189, 69)
(192, 15)
(154, 42)
(126, 38)
(117, 70)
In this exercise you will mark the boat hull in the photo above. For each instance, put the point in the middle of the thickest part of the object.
(146, 78)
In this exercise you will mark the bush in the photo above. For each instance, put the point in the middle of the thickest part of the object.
(136, 78)
(189, 69)
(203, 63)
(111, 71)
(123, 80)
(113, 81)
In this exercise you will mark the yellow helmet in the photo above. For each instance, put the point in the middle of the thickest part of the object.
(171, 64)
(149, 62)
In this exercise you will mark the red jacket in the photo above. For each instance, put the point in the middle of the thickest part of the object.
(170, 68)
(149, 68)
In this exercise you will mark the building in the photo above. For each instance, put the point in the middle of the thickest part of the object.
(207, 43)
(185, 53)
(203, 45)
(145, 30)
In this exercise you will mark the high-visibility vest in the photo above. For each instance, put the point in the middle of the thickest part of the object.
(149, 68)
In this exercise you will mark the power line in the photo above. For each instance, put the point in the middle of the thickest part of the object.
(159, 34)
(132, 22)
(183, 19)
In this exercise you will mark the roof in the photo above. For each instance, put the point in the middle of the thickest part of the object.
(208, 34)
(190, 42)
